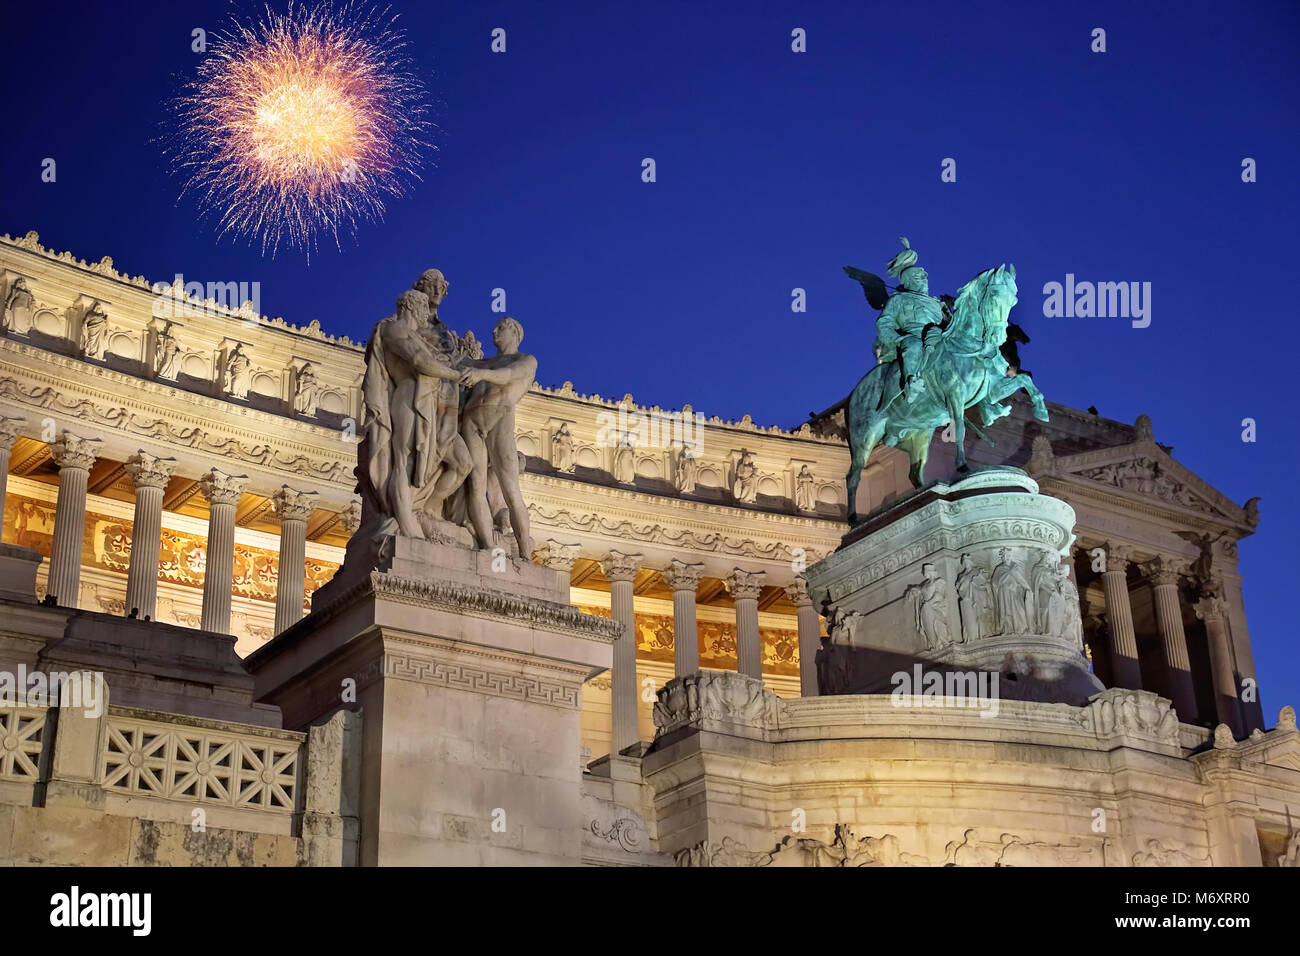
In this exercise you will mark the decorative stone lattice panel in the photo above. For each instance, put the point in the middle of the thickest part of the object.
(199, 764)
(22, 734)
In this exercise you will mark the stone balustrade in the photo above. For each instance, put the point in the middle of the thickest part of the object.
(166, 788)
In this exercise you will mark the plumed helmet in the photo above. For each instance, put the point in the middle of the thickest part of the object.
(904, 260)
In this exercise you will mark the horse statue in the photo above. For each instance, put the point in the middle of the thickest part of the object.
(961, 367)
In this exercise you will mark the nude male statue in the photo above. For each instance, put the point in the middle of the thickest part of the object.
(487, 423)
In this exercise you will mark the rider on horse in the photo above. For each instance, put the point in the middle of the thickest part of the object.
(909, 312)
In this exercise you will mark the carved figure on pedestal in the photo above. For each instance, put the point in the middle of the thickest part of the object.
(930, 374)
(401, 449)
(1042, 580)
(488, 427)
(975, 601)
(929, 603)
(1071, 624)
(1012, 597)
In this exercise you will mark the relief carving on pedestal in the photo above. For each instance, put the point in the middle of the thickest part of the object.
(975, 601)
(928, 602)
(1132, 712)
(1012, 850)
(709, 695)
(1157, 854)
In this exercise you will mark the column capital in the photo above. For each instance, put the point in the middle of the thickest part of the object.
(292, 505)
(557, 555)
(1164, 570)
(149, 471)
(621, 567)
(10, 429)
(222, 489)
(1211, 608)
(744, 584)
(681, 576)
(798, 592)
(69, 451)
(1118, 556)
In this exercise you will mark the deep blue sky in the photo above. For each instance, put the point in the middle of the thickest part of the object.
(774, 169)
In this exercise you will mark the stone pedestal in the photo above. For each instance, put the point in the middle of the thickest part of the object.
(961, 579)
(467, 669)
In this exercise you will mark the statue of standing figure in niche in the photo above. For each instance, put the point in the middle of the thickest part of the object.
(306, 390)
(94, 332)
(804, 497)
(562, 450)
(237, 375)
(687, 472)
(745, 487)
(167, 354)
(19, 304)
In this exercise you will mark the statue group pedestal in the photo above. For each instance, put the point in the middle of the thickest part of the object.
(961, 578)
(467, 669)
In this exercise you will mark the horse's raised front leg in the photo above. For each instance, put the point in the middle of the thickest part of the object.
(1040, 406)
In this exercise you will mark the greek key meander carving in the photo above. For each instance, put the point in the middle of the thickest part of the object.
(457, 675)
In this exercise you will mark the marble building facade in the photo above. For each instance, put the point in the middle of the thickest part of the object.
(229, 440)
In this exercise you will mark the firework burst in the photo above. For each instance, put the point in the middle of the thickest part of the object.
(300, 124)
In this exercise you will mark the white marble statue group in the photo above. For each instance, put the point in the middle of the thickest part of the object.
(438, 445)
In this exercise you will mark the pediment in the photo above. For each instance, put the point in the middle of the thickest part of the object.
(1143, 472)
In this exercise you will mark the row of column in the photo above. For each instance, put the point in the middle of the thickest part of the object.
(76, 456)
(1164, 574)
(683, 579)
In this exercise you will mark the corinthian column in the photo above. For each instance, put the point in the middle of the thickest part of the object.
(9, 431)
(621, 570)
(151, 476)
(744, 587)
(558, 557)
(1213, 610)
(223, 492)
(1164, 574)
(294, 508)
(810, 635)
(1125, 670)
(684, 578)
(75, 457)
